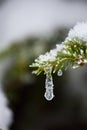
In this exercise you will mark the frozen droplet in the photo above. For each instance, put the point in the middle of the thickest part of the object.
(49, 88)
(60, 73)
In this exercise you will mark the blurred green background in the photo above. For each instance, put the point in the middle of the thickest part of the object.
(25, 91)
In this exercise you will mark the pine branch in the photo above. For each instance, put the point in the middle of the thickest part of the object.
(70, 53)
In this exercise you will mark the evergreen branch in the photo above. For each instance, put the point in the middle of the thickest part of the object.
(72, 52)
(69, 53)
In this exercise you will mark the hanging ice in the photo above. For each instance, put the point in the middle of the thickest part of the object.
(49, 94)
(49, 88)
(60, 73)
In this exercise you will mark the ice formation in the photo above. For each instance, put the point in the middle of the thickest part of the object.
(49, 88)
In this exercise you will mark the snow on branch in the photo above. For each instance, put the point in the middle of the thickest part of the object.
(71, 53)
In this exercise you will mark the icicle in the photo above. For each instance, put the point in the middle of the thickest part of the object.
(49, 88)
(60, 73)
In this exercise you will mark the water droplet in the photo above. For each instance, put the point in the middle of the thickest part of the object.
(49, 88)
(60, 73)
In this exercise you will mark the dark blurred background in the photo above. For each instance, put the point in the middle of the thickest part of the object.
(29, 28)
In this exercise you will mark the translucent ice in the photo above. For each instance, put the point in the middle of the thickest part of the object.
(49, 88)
(49, 94)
